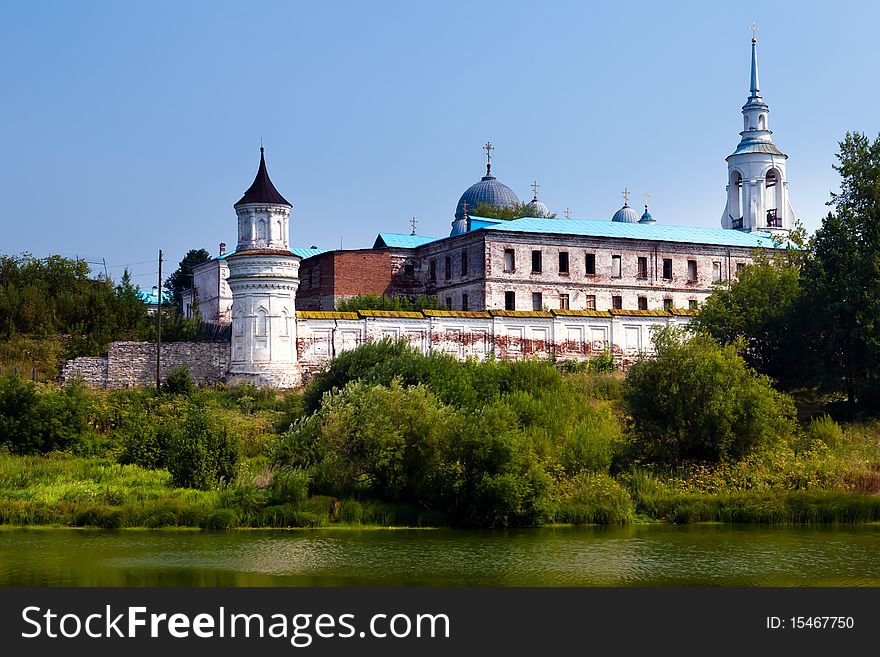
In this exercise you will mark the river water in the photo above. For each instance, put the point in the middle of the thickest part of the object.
(641, 555)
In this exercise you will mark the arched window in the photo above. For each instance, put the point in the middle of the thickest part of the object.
(285, 323)
(773, 198)
(261, 230)
(762, 122)
(736, 196)
(237, 322)
(278, 236)
(262, 322)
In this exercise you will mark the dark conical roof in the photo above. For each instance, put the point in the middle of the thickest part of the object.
(262, 190)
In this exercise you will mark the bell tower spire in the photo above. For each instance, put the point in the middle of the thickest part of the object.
(757, 185)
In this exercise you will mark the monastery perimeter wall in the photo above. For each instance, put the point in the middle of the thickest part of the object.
(564, 335)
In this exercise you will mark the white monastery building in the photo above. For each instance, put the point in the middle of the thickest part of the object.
(533, 286)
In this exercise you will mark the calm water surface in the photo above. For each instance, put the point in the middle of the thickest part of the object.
(704, 555)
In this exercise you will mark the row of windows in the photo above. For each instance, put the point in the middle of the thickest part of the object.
(447, 266)
(562, 302)
(616, 266)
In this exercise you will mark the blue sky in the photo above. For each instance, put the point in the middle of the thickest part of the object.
(133, 127)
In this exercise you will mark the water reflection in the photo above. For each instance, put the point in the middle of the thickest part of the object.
(705, 555)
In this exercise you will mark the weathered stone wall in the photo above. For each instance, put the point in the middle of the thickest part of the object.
(320, 336)
(132, 364)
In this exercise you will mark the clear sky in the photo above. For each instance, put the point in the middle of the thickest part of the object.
(129, 127)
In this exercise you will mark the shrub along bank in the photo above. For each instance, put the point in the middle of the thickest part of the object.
(387, 436)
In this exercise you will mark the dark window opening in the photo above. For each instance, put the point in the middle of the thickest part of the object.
(536, 262)
(537, 301)
(448, 263)
(590, 302)
(509, 300)
(643, 303)
(642, 268)
(692, 304)
(692, 271)
(617, 303)
(448, 303)
(432, 270)
(667, 268)
(667, 304)
(563, 302)
(464, 302)
(409, 271)
(464, 263)
(591, 264)
(563, 262)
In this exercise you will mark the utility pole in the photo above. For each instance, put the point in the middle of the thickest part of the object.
(159, 327)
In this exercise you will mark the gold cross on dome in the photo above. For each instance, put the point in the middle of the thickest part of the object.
(567, 213)
(488, 148)
(535, 187)
(646, 199)
(626, 194)
(754, 29)
(413, 222)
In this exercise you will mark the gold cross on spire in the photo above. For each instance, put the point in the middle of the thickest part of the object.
(413, 222)
(535, 187)
(754, 29)
(646, 200)
(567, 213)
(464, 208)
(626, 194)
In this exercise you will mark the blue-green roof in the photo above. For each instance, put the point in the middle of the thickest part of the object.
(301, 251)
(150, 297)
(304, 252)
(651, 232)
(401, 241)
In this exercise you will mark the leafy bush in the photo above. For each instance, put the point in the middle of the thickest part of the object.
(698, 401)
(200, 453)
(824, 429)
(288, 486)
(39, 420)
(179, 381)
(595, 499)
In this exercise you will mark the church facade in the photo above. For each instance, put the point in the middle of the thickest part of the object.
(540, 266)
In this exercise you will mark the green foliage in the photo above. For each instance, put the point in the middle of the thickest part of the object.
(699, 401)
(200, 453)
(841, 305)
(516, 211)
(178, 381)
(289, 486)
(38, 421)
(760, 308)
(45, 296)
(825, 430)
(595, 499)
(603, 363)
(182, 278)
(383, 302)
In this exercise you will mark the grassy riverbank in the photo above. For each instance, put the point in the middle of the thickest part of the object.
(388, 437)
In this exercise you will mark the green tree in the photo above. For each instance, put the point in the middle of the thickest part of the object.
(841, 282)
(760, 307)
(696, 400)
(182, 278)
(516, 211)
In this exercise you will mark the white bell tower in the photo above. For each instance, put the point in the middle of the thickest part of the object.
(757, 184)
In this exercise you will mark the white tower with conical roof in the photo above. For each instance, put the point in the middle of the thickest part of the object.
(264, 277)
(757, 184)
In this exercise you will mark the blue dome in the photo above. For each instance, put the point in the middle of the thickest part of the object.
(488, 190)
(626, 215)
(538, 209)
(647, 218)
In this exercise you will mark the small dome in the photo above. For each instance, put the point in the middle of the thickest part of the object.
(538, 209)
(647, 218)
(488, 190)
(626, 215)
